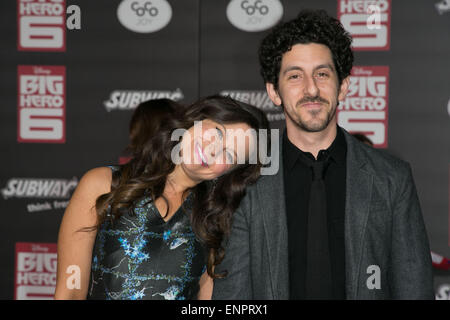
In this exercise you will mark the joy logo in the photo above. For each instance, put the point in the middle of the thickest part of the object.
(257, 6)
(254, 15)
(147, 8)
(448, 107)
(443, 292)
(443, 6)
(144, 16)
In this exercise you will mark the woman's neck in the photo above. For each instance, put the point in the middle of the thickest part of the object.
(178, 182)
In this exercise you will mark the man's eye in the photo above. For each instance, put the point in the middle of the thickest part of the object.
(322, 75)
(294, 76)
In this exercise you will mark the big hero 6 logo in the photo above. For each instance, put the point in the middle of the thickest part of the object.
(42, 24)
(254, 15)
(368, 22)
(41, 104)
(365, 108)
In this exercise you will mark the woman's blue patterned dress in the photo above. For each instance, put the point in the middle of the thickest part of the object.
(141, 256)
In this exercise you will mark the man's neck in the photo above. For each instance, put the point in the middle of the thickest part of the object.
(311, 142)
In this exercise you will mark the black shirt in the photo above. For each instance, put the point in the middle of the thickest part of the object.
(297, 182)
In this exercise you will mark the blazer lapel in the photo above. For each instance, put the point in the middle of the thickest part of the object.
(358, 196)
(272, 205)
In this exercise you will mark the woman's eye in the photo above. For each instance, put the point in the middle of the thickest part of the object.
(229, 157)
(219, 132)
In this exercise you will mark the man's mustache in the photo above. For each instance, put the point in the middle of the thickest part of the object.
(312, 99)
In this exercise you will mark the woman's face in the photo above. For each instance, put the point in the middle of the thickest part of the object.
(210, 149)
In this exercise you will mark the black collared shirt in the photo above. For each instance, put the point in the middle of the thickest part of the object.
(297, 182)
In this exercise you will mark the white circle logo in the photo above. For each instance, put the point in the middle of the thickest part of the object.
(254, 15)
(144, 16)
(448, 107)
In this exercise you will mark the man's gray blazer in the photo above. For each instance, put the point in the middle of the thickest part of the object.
(385, 235)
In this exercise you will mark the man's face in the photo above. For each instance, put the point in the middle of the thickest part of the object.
(308, 87)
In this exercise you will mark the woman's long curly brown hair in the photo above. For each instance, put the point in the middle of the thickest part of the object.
(147, 119)
(213, 202)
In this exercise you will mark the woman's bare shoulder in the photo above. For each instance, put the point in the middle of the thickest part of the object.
(97, 180)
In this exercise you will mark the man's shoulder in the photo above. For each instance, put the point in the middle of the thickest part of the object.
(265, 192)
(267, 182)
(379, 162)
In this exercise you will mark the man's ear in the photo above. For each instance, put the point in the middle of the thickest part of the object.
(343, 89)
(273, 94)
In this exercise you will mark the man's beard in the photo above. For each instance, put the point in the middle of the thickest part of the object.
(314, 125)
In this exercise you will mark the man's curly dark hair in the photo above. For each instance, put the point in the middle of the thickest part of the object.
(310, 26)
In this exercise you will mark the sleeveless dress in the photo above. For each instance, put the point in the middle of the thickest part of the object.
(141, 256)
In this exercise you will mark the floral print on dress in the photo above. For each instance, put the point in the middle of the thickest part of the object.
(140, 256)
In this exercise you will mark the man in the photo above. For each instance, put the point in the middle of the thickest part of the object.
(340, 220)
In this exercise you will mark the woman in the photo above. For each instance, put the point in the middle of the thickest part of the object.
(143, 245)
